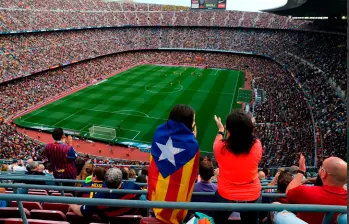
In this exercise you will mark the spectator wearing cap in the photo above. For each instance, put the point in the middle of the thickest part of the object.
(61, 155)
(333, 174)
(113, 180)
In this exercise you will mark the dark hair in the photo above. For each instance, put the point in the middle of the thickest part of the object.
(48, 167)
(124, 174)
(206, 170)
(241, 137)
(183, 114)
(144, 171)
(141, 179)
(284, 180)
(99, 173)
(57, 134)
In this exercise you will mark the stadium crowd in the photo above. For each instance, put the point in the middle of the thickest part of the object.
(62, 14)
(22, 55)
(279, 125)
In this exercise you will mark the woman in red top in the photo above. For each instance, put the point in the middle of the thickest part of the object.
(238, 157)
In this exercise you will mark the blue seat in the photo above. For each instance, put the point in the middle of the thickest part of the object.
(286, 217)
(342, 219)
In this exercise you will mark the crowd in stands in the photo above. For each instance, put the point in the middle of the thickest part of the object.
(240, 147)
(281, 127)
(62, 14)
(22, 55)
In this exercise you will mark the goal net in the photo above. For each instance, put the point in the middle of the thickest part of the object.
(102, 132)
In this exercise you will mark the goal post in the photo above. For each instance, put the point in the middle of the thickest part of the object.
(101, 132)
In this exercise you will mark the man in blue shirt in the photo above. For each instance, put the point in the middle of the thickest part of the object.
(113, 180)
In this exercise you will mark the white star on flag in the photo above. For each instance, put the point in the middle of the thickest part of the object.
(168, 151)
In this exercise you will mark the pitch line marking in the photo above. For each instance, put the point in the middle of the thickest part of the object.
(68, 117)
(157, 118)
(232, 101)
(176, 89)
(133, 111)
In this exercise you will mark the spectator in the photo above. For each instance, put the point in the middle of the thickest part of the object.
(176, 136)
(113, 180)
(97, 182)
(49, 173)
(142, 179)
(261, 175)
(15, 167)
(333, 174)
(86, 171)
(206, 173)
(41, 168)
(240, 149)
(132, 174)
(62, 155)
(125, 173)
(144, 171)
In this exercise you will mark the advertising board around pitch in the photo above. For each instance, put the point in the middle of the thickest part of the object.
(208, 4)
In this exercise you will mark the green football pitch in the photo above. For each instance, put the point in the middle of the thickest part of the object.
(139, 100)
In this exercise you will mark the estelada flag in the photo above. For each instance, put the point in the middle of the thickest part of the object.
(173, 168)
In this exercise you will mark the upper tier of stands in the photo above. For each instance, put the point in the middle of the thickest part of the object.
(22, 55)
(63, 14)
(292, 130)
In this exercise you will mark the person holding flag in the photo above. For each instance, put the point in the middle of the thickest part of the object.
(174, 163)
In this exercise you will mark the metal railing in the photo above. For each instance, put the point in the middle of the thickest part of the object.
(328, 209)
(63, 189)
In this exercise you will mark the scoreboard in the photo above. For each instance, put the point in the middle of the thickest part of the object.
(208, 4)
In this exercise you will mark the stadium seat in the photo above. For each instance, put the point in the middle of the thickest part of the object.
(12, 212)
(342, 219)
(8, 192)
(28, 205)
(65, 194)
(126, 219)
(30, 221)
(52, 191)
(150, 220)
(286, 217)
(56, 206)
(48, 215)
(72, 218)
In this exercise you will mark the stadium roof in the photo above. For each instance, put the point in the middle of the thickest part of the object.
(312, 8)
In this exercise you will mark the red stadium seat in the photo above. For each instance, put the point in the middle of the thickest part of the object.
(12, 212)
(151, 220)
(65, 194)
(28, 205)
(30, 221)
(8, 192)
(48, 215)
(52, 191)
(56, 206)
(72, 218)
(126, 219)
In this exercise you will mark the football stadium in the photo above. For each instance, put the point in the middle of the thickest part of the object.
(188, 111)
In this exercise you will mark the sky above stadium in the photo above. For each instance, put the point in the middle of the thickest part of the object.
(238, 5)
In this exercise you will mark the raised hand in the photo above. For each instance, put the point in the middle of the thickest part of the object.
(219, 123)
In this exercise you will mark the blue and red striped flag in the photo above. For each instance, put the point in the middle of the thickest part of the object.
(174, 162)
